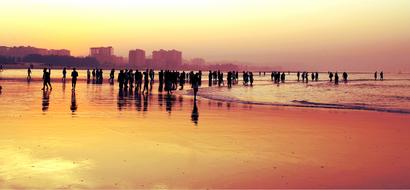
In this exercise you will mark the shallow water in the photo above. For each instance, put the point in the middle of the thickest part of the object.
(361, 92)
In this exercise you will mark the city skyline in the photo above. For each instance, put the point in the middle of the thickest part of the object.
(312, 35)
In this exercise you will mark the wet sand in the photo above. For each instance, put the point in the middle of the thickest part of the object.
(102, 140)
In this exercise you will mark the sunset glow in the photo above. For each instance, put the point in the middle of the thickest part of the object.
(317, 34)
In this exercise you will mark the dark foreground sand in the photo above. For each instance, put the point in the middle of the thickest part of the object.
(127, 143)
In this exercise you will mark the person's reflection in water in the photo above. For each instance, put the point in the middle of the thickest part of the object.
(195, 114)
(160, 100)
(169, 98)
(120, 101)
(73, 106)
(138, 101)
(46, 100)
(145, 102)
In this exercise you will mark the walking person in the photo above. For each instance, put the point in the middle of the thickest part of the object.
(74, 75)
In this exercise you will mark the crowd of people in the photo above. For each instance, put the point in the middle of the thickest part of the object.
(171, 80)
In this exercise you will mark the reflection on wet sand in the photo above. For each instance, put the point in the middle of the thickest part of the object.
(195, 114)
(46, 100)
(73, 106)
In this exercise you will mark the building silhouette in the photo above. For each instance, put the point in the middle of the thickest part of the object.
(167, 59)
(136, 58)
(22, 51)
(105, 55)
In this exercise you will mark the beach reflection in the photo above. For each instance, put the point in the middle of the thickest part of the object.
(73, 106)
(46, 100)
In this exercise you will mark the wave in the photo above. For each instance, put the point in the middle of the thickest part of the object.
(305, 104)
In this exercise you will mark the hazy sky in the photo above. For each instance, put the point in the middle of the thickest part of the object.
(316, 34)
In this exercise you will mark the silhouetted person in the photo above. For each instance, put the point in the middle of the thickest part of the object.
(112, 73)
(182, 80)
(74, 75)
(298, 75)
(330, 76)
(282, 77)
(251, 77)
(336, 78)
(120, 80)
(64, 74)
(375, 75)
(46, 79)
(29, 74)
(88, 75)
(345, 77)
(146, 81)
(381, 75)
(317, 76)
(93, 74)
(195, 85)
(210, 78)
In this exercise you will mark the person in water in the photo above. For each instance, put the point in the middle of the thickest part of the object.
(381, 75)
(195, 84)
(74, 75)
(29, 74)
(336, 78)
(46, 79)
(375, 75)
(64, 74)
(345, 77)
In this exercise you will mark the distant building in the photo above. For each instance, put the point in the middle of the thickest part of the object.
(22, 51)
(197, 61)
(136, 58)
(170, 59)
(59, 52)
(103, 54)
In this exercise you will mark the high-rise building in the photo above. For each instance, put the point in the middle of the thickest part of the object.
(136, 58)
(170, 59)
(103, 54)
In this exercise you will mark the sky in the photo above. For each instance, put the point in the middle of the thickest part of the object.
(354, 35)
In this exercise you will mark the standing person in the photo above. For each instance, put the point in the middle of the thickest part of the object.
(210, 78)
(381, 75)
(336, 78)
(312, 76)
(317, 76)
(29, 74)
(282, 77)
(88, 75)
(46, 79)
(330, 76)
(64, 74)
(229, 79)
(74, 75)
(120, 80)
(251, 77)
(298, 75)
(345, 77)
(375, 75)
(93, 74)
(112, 76)
(182, 80)
(146, 81)
(195, 84)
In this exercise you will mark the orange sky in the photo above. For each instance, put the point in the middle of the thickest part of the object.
(316, 34)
